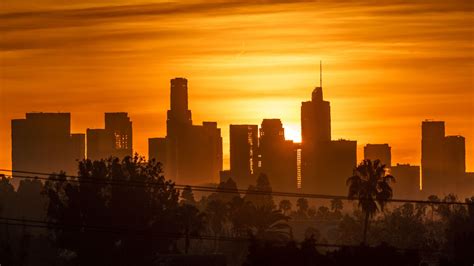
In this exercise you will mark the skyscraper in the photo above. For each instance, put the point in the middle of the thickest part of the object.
(407, 181)
(432, 141)
(443, 160)
(454, 167)
(320, 170)
(278, 156)
(192, 153)
(157, 150)
(243, 154)
(42, 142)
(382, 152)
(114, 141)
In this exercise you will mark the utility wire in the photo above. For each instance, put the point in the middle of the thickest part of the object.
(150, 233)
(133, 183)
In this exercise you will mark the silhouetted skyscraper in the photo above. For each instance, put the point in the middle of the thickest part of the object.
(454, 167)
(243, 154)
(278, 156)
(432, 140)
(325, 164)
(157, 150)
(193, 152)
(43, 143)
(339, 163)
(382, 152)
(443, 160)
(120, 126)
(114, 141)
(407, 181)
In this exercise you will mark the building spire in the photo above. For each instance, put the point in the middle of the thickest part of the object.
(320, 74)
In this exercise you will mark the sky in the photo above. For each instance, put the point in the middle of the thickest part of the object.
(387, 65)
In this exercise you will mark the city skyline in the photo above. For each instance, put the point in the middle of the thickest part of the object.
(361, 147)
(192, 154)
(372, 77)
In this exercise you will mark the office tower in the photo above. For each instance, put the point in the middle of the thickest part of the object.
(243, 154)
(443, 160)
(454, 159)
(113, 141)
(78, 142)
(321, 169)
(407, 181)
(120, 127)
(277, 156)
(42, 142)
(99, 144)
(192, 154)
(339, 163)
(157, 150)
(380, 152)
(432, 141)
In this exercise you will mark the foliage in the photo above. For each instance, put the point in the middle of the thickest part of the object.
(371, 187)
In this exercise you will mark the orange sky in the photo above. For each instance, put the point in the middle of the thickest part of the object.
(386, 67)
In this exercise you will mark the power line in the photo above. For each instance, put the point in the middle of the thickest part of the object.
(133, 183)
(150, 233)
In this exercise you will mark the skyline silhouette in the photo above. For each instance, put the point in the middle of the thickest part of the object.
(192, 154)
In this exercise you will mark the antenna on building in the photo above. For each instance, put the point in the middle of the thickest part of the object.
(320, 74)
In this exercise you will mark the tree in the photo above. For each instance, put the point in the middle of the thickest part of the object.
(269, 224)
(336, 205)
(187, 196)
(260, 194)
(192, 223)
(106, 197)
(303, 206)
(433, 198)
(371, 187)
(217, 214)
(285, 206)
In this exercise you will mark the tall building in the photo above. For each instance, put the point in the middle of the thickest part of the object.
(325, 164)
(113, 141)
(454, 167)
(191, 154)
(120, 127)
(432, 140)
(243, 154)
(407, 181)
(443, 160)
(42, 142)
(157, 150)
(339, 164)
(278, 157)
(382, 152)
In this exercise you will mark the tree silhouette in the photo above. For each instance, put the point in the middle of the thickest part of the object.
(433, 198)
(285, 206)
(187, 196)
(336, 205)
(303, 206)
(192, 221)
(371, 187)
(217, 214)
(104, 196)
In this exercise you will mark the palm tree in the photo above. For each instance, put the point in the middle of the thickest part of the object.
(303, 206)
(285, 206)
(269, 224)
(336, 205)
(433, 198)
(371, 187)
